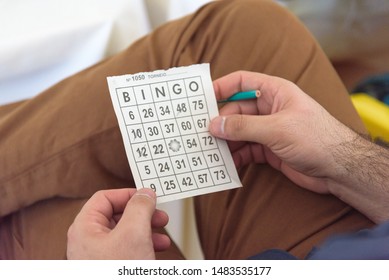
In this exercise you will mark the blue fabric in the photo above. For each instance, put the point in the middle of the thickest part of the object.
(273, 254)
(376, 86)
(368, 244)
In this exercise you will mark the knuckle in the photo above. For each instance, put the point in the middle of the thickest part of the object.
(99, 194)
(143, 200)
(235, 126)
(71, 234)
(239, 124)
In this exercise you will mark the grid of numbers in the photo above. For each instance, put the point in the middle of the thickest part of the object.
(167, 126)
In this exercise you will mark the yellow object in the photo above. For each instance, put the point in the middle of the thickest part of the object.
(374, 114)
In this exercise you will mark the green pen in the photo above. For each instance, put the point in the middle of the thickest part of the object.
(243, 95)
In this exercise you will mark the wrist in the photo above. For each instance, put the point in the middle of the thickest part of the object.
(349, 157)
(360, 177)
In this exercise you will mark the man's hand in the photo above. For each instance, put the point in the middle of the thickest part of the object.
(290, 131)
(283, 127)
(117, 224)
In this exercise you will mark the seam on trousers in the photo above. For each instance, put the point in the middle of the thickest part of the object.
(309, 62)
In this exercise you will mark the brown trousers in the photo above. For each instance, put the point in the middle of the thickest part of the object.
(60, 147)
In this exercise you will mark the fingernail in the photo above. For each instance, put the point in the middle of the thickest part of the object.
(217, 126)
(147, 193)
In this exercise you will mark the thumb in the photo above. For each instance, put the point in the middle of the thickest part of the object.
(242, 128)
(136, 218)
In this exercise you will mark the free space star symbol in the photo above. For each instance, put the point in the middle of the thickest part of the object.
(174, 145)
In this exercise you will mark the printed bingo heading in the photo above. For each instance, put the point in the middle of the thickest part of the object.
(164, 118)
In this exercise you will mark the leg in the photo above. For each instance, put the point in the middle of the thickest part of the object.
(38, 231)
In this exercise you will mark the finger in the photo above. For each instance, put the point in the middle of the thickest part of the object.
(228, 85)
(248, 107)
(235, 145)
(161, 242)
(137, 216)
(258, 129)
(242, 81)
(103, 206)
(159, 219)
(274, 90)
(249, 153)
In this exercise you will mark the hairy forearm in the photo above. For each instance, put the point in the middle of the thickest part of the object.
(362, 177)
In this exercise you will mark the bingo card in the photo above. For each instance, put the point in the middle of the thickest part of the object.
(163, 118)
